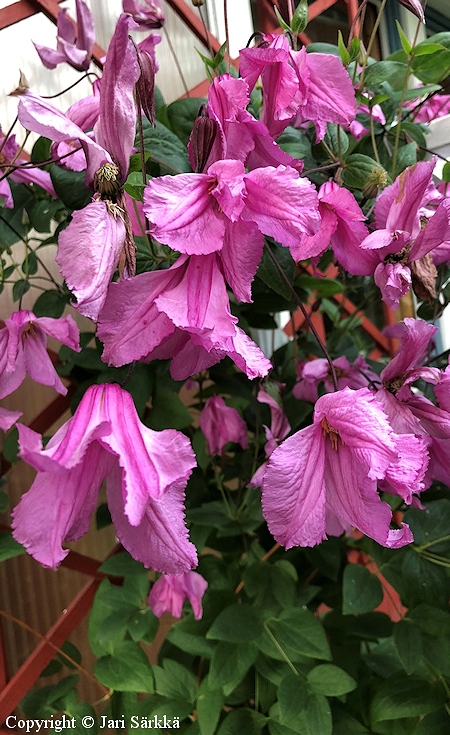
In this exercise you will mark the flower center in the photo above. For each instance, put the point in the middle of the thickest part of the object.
(29, 330)
(106, 180)
(3, 159)
(394, 385)
(331, 432)
(400, 257)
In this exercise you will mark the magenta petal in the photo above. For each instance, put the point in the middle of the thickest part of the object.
(5, 194)
(28, 175)
(37, 361)
(64, 329)
(88, 253)
(183, 214)
(85, 29)
(240, 256)
(59, 508)
(229, 191)
(8, 418)
(394, 281)
(116, 126)
(49, 57)
(222, 424)
(279, 425)
(435, 232)
(329, 95)
(415, 338)
(282, 204)
(293, 497)
(161, 539)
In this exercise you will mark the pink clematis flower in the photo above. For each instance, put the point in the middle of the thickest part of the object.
(222, 424)
(98, 235)
(75, 51)
(145, 471)
(415, 7)
(312, 87)
(147, 14)
(25, 175)
(341, 226)
(23, 349)
(410, 412)
(357, 128)
(314, 372)
(170, 591)
(237, 134)
(194, 213)
(279, 427)
(331, 469)
(400, 238)
(8, 418)
(181, 313)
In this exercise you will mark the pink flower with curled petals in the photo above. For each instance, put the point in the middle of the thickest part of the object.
(26, 175)
(170, 591)
(76, 51)
(279, 426)
(314, 372)
(332, 468)
(147, 14)
(403, 234)
(145, 471)
(23, 349)
(222, 424)
(183, 314)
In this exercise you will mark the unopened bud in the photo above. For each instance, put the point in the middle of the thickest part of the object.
(202, 139)
(197, 3)
(106, 181)
(376, 180)
(145, 86)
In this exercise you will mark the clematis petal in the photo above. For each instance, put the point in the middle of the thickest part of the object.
(222, 424)
(49, 57)
(281, 203)
(37, 361)
(116, 127)
(394, 281)
(85, 29)
(183, 214)
(59, 508)
(240, 256)
(279, 424)
(8, 418)
(161, 539)
(293, 490)
(405, 196)
(64, 329)
(435, 232)
(88, 253)
(415, 339)
(5, 194)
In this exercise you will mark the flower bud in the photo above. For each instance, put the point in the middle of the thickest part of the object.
(201, 142)
(145, 86)
(198, 3)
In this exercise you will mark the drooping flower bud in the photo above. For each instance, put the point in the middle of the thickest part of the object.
(203, 135)
(415, 7)
(198, 3)
(145, 86)
(147, 13)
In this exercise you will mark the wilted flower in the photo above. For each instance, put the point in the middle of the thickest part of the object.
(170, 591)
(146, 13)
(23, 349)
(145, 471)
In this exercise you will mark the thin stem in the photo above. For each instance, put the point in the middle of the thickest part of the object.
(58, 94)
(371, 42)
(432, 543)
(177, 63)
(319, 169)
(290, 7)
(208, 40)
(306, 315)
(372, 137)
(280, 650)
(55, 648)
(227, 33)
(8, 133)
(9, 167)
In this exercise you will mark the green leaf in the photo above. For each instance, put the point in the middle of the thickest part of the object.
(330, 680)
(121, 565)
(300, 17)
(19, 289)
(385, 71)
(242, 722)
(361, 590)
(236, 624)
(127, 671)
(323, 286)
(50, 303)
(210, 701)
(318, 715)
(11, 445)
(174, 681)
(292, 697)
(408, 644)
(134, 185)
(406, 696)
(345, 724)
(280, 20)
(165, 148)
(181, 115)
(41, 150)
(185, 635)
(355, 48)
(41, 215)
(30, 265)
(298, 633)
(42, 702)
(423, 581)
(407, 156)
(70, 187)
(269, 274)
(345, 56)
(4, 499)
(446, 172)
(403, 39)
(9, 547)
(357, 169)
(168, 411)
(229, 664)
(430, 525)
(336, 139)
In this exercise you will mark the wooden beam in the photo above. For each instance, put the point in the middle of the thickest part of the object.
(16, 12)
